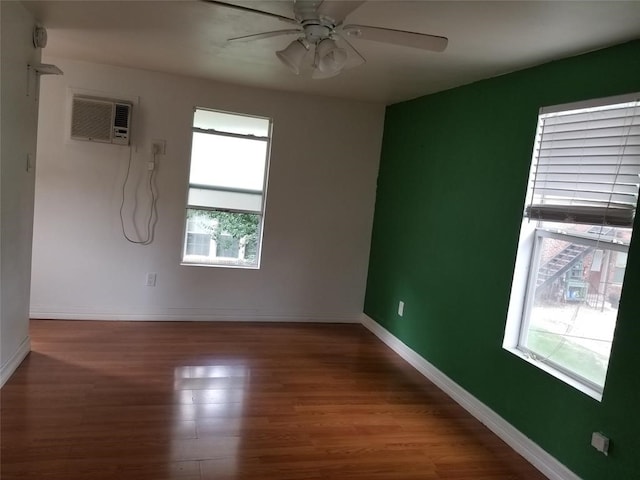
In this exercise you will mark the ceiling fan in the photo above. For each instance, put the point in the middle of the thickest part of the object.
(319, 26)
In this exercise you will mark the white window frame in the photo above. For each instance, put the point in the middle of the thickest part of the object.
(240, 191)
(525, 271)
(539, 235)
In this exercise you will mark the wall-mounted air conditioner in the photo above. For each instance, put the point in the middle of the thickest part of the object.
(100, 120)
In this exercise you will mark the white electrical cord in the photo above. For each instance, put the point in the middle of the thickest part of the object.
(153, 210)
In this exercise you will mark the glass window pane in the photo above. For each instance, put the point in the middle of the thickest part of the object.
(228, 162)
(227, 246)
(573, 313)
(198, 244)
(228, 122)
(232, 238)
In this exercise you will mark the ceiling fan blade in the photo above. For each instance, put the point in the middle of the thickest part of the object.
(260, 36)
(338, 10)
(253, 10)
(397, 37)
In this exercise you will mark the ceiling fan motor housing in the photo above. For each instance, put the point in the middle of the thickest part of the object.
(316, 30)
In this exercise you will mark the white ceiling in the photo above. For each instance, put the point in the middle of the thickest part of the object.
(188, 37)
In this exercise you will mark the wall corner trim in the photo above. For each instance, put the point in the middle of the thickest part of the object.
(14, 362)
(533, 453)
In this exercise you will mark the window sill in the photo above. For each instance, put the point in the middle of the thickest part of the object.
(219, 265)
(587, 390)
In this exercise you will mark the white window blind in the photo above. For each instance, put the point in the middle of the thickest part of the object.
(586, 164)
(229, 200)
(228, 162)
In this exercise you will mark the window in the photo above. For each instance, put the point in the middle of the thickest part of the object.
(575, 235)
(227, 187)
(198, 244)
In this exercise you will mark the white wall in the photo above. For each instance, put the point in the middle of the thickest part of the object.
(319, 211)
(19, 109)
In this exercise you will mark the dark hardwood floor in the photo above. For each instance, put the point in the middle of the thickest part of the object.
(186, 401)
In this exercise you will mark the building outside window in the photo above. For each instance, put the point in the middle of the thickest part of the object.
(575, 235)
(227, 189)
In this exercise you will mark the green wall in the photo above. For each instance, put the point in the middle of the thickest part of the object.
(450, 198)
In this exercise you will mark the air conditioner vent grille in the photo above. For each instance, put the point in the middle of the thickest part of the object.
(92, 120)
(122, 116)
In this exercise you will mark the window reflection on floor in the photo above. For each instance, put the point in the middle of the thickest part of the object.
(210, 398)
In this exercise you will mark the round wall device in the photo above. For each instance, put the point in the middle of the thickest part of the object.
(39, 36)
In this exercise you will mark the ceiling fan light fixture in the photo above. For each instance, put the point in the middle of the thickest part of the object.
(293, 55)
(331, 58)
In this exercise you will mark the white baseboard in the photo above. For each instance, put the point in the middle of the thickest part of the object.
(14, 362)
(190, 316)
(538, 457)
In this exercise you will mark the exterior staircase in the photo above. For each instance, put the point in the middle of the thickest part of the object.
(560, 263)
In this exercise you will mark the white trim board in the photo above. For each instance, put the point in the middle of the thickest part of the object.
(192, 317)
(535, 455)
(14, 362)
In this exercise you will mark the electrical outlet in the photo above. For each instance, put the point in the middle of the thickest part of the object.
(158, 147)
(600, 442)
(400, 308)
(150, 280)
